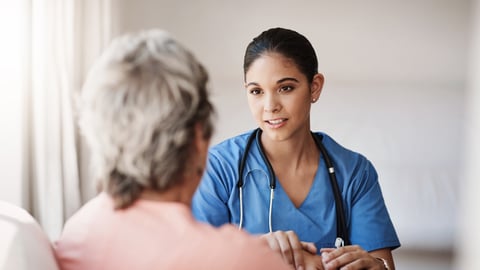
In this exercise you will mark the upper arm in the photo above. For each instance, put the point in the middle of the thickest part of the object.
(209, 203)
(371, 226)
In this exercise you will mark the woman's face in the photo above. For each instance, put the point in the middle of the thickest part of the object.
(280, 96)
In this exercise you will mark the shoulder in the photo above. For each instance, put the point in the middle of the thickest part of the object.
(94, 214)
(333, 145)
(101, 205)
(338, 152)
(228, 152)
(236, 144)
(353, 169)
(89, 220)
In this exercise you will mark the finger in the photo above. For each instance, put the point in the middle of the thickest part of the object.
(313, 261)
(326, 250)
(272, 241)
(309, 246)
(297, 249)
(359, 262)
(283, 241)
(364, 263)
(332, 253)
(353, 256)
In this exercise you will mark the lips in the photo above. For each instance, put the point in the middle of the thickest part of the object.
(276, 123)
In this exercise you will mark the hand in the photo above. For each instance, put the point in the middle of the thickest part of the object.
(349, 258)
(312, 261)
(291, 248)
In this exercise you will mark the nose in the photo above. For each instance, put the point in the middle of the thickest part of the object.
(271, 104)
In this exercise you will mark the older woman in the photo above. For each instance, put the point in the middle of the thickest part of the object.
(146, 115)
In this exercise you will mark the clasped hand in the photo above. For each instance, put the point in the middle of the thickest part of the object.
(303, 255)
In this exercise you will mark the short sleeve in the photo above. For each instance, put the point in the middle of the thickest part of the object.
(209, 203)
(370, 224)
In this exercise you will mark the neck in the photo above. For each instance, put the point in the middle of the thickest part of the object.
(177, 193)
(300, 149)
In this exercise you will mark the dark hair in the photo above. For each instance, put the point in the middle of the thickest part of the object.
(287, 42)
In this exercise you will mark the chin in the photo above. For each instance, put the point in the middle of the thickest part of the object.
(276, 134)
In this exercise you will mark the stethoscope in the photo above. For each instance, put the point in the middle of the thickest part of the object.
(342, 236)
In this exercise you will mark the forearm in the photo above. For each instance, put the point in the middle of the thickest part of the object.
(385, 254)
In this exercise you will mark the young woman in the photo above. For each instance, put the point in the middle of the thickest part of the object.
(282, 180)
(147, 116)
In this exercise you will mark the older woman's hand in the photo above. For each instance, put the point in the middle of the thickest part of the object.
(313, 261)
(293, 251)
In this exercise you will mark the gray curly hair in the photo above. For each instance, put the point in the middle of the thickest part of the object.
(138, 110)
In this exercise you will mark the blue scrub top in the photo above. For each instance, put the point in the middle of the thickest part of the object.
(217, 202)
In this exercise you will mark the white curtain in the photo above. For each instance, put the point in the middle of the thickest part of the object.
(64, 37)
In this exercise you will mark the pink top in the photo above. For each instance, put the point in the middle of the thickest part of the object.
(155, 235)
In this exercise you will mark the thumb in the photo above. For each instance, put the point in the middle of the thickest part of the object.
(310, 247)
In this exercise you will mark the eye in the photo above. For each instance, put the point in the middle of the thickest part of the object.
(286, 88)
(255, 91)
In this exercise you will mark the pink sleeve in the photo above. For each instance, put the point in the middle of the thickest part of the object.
(253, 253)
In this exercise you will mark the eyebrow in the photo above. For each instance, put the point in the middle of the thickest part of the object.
(279, 81)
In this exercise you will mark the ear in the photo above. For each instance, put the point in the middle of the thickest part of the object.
(316, 87)
(200, 143)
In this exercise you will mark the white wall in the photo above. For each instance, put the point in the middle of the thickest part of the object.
(468, 236)
(395, 90)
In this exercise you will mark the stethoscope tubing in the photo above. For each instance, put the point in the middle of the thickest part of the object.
(342, 235)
